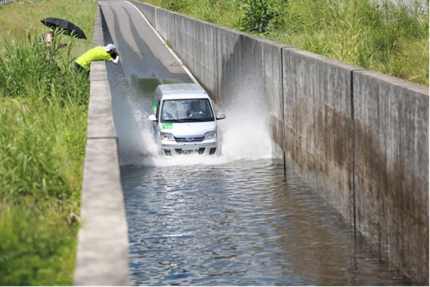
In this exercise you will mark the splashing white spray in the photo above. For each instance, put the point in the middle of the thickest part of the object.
(244, 133)
(246, 127)
(130, 111)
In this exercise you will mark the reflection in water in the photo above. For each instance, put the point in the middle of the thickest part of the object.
(237, 223)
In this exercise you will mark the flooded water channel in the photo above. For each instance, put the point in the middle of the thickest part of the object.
(233, 220)
(237, 219)
(237, 223)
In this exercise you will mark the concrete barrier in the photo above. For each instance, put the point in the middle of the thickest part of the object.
(320, 145)
(102, 257)
(4, 2)
(273, 76)
(358, 138)
(148, 11)
(391, 168)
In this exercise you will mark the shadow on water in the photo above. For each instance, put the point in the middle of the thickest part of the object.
(146, 86)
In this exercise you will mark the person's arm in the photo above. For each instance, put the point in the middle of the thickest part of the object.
(48, 39)
(115, 57)
(116, 60)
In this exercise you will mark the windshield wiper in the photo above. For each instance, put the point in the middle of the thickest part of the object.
(198, 119)
(173, 120)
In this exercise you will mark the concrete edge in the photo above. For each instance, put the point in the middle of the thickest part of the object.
(102, 252)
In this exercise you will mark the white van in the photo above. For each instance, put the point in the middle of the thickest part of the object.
(184, 120)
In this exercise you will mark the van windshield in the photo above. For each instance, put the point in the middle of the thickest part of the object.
(187, 110)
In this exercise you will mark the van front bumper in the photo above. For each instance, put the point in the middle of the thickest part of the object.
(170, 148)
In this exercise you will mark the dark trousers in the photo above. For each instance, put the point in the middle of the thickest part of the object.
(79, 68)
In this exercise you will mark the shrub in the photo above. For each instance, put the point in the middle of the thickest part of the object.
(256, 15)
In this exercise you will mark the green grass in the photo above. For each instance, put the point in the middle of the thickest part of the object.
(43, 116)
(382, 37)
(38, 246)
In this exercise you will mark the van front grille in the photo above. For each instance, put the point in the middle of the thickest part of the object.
(189, 139)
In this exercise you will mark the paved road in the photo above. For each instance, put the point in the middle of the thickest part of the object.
(142, 53)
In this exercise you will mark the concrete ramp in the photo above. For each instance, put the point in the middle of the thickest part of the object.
(142, 52)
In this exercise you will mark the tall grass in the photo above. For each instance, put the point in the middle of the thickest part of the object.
(37, 245)
(376, 35)
(43, 114)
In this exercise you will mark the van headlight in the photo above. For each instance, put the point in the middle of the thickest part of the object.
(210, 135)
(167, 136)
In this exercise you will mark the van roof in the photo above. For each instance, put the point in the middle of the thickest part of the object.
(183, 90)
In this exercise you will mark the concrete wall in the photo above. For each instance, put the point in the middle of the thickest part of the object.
(4, 2)
(391, 169)
(102, 257)
(318, 125)
(358, 138)
(148, 11)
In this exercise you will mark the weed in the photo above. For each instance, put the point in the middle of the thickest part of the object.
(376, 35)
(43, 113)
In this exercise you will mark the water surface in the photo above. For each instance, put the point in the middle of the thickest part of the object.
(237, 223)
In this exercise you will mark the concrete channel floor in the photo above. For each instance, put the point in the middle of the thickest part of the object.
(141, 50)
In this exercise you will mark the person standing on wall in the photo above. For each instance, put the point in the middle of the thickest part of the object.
(100, 53)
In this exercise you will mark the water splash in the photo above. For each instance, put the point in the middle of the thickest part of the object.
(244, 133)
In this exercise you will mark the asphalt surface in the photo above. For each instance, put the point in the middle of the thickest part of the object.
(142, 53)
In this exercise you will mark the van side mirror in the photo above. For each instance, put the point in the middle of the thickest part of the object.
(220, 116)
(152, 118)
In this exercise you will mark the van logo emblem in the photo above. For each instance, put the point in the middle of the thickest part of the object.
(188, 139)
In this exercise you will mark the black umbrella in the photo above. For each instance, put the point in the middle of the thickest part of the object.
(68, 27)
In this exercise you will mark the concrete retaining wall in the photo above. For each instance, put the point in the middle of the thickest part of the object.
(391, 169)
(273, 75)
(318, 125)
(102, 257)
(4, 2)
(358, 138)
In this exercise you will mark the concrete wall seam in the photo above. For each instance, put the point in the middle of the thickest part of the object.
(354, 204)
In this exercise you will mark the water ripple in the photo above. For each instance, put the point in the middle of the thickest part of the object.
(239, 223)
